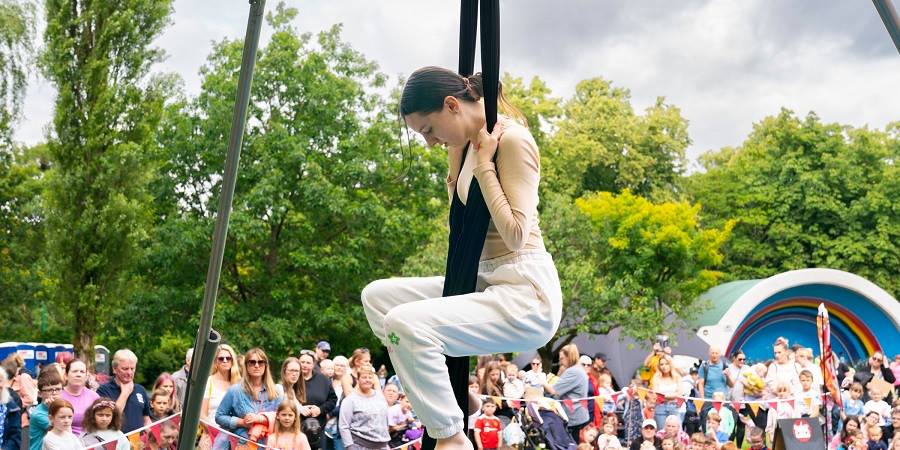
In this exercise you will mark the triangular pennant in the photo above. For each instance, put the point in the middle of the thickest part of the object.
(584, 403)
(111, 445)
(599, 401)
(660, 399)
(717, 406)
(679, 401)
(754, 407)
(642, 394)
(737, 405)
(497, 401)
(569, 403)
(514, 403)
(792, 403)
(773, 405)
(614, 398)
(698, 403)
(404, 446)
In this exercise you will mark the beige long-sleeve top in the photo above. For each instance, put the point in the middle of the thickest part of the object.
(510, 190)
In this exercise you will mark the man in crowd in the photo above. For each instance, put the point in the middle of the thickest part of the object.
(648, 437)
(182, 375)
(131, 398)
(712, 374)
(323, 349)
(599, 365)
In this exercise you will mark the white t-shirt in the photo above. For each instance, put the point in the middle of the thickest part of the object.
(63, 441)
(786, 373)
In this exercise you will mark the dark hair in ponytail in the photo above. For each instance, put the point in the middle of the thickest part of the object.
(427, 87)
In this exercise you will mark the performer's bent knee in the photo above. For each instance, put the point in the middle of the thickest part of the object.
(373, 293)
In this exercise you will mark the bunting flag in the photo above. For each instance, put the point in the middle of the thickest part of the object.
(773, 405)
(600, 402)
(497, 400)
(698, 403)
(717, 406)
(111, 445)
(792, 403)
(829, 372)
(615, 398)
(584, 403)
(569, 403)
(404, 446)
(679, 401)
(642, 394)
(514, 403)
(737, 405)
(660, 399)
(754, 407)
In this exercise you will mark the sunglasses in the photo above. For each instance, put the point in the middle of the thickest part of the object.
(535, 364)
(223, 358)
(257, 362)
(742, 359)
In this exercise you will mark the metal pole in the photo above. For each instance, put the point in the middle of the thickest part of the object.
(889, 17)
(207, 340)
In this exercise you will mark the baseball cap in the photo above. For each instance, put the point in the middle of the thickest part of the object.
(649, 423)
(324, 345)
(600, 355)
(585, 360)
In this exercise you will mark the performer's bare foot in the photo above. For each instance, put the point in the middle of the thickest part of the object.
(474, 403)
(456, 442)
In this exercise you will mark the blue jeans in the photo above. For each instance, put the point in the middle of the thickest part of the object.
(662, 411)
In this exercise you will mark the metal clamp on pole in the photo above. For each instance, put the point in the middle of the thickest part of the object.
(207, 341)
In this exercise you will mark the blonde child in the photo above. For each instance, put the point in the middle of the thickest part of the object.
(513, 387)
(807, 391)
(782, 409)
(608, 438)
(605, 391)
(852, 401)
(287, 435)
(877, 404)
(102, 421)
(875, 442)
(59, 436)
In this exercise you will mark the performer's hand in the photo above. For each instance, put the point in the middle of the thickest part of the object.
(487, 143)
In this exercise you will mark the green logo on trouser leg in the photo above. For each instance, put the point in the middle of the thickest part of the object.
(394, 338)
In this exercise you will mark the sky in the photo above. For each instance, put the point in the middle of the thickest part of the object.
(726, 64)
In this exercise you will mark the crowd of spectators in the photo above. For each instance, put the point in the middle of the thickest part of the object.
(313, 401)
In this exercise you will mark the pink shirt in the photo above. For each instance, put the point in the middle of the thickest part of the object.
(81, 403)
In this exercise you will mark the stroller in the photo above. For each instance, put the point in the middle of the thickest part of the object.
(544, 424)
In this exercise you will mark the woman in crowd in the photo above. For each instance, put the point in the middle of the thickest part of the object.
(804, 359)
(166, 383)
(76, 393)
(666, 382)
(359, 358)
(244, 403)
(492, 386)
(572, 384)
(320, 398)
(226, 373)
(292, 390)
(10, 415)
(363, 423)
(341, 367)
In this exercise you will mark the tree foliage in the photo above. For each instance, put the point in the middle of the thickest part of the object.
(602, 145)
(807, 194)
(98, 56)
(17, 19)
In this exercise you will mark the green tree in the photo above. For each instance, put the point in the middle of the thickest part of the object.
(602, 145)
(629, 261)
(807, 194)
(540, 108)
(98, 56)
(325, 202)
(17, 20)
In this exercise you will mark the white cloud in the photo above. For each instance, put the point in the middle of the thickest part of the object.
(725, 63)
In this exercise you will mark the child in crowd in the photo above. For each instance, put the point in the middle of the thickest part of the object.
(756, 438)
(670, 444)
(165, 439)
(808, 408)
(853, 440)
(605, 391)
(852, 400)
(400, 419)
(713, 420)
(165, 382)
(608, 438)
(59, 436)
(287, 435)
(101, 424)
(877, 404)
(159, 405)
(589, 434)
(487, 427)
(513, 387)
(782, 410)
(698, 441)
(474, 389)
(875, 442)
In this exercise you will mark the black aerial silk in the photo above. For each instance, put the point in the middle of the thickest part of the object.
(469, 222)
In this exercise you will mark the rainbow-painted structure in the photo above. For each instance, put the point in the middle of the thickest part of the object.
(750, 314)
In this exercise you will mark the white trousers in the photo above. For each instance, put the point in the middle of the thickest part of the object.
(517, 306)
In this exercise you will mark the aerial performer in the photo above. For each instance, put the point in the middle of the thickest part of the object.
(514, 301)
